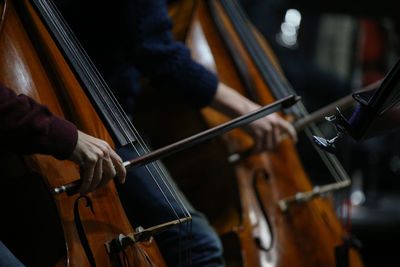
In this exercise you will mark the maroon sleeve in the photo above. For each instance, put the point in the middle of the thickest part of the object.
(29, 127)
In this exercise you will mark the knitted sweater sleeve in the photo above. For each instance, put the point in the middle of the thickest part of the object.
(165, 61)
(29, 127)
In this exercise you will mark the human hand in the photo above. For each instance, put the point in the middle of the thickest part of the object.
(268, 131)
(98, 163)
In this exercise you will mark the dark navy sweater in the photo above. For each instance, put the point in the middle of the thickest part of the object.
(128, 38)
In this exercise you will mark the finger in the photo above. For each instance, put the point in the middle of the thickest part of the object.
(258, 139)
(119, 166)
(103, 146)
(94, 159)
(276, 131)
(269, 134)
(86, 171)
(108, 171)
(97, 175)
(289, 129)
(261, 143)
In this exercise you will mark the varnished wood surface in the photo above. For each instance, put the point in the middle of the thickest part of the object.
(32, 64)
(308, 233)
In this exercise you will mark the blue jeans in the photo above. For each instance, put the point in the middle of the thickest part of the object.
(145, 206)
(7, 259)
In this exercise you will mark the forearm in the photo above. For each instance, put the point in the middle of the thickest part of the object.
(231, 103)
(267, 131)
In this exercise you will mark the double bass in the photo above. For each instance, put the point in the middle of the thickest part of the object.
(269, 214)
(65, 79)
(40, 58)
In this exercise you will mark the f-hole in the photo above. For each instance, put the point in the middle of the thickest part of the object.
(262, 174)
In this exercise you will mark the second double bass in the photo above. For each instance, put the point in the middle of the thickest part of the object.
(264, 225)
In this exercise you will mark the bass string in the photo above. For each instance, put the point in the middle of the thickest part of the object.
(280, 86)
(240, 20)
(101, 87)
(3, 14)
(160, 171)
(156, 165)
